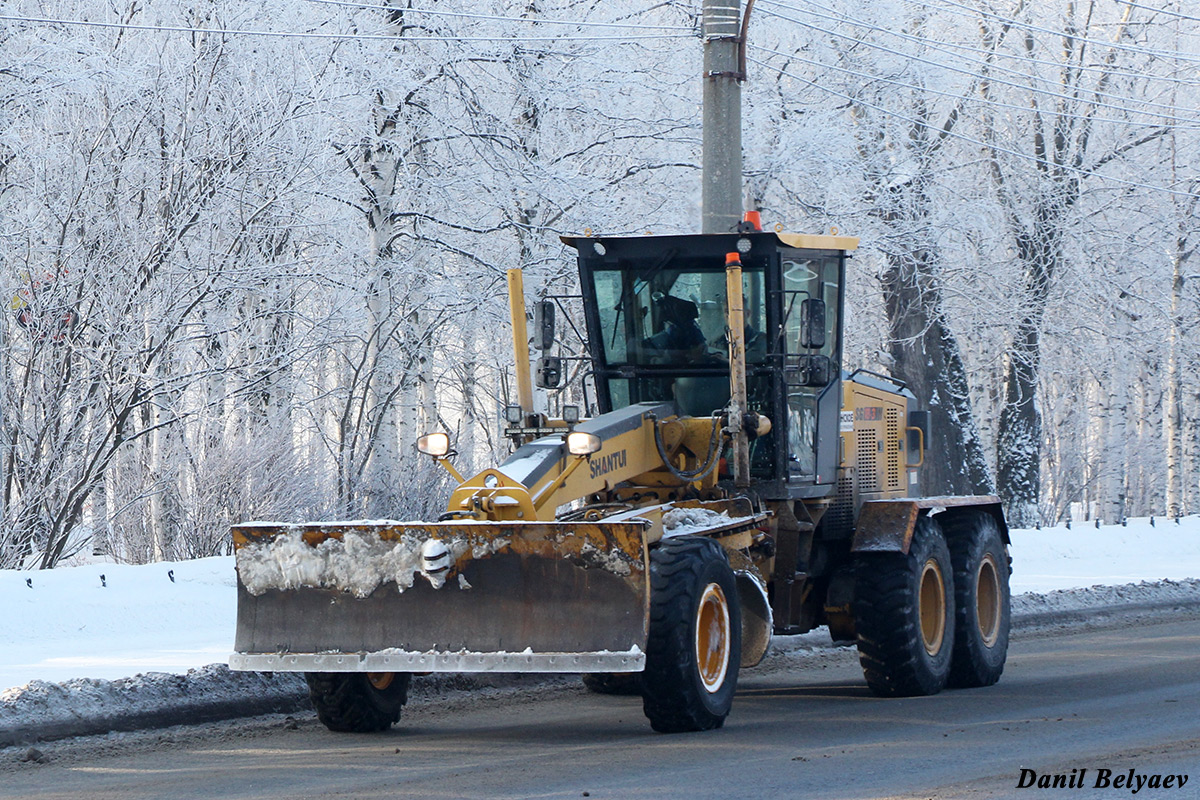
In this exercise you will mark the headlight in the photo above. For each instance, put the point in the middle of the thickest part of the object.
(582, 444)
(570, 414)
(513, 415)
(434, 444)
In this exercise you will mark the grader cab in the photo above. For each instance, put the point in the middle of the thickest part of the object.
(732, 483)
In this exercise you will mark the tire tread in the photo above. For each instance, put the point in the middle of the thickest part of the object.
(973, 665)
(346, 702)
(673, 703)
(886, 620)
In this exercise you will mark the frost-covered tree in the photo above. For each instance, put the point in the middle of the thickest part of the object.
(1044, 161)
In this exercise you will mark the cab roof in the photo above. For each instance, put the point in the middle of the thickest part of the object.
(805, 241)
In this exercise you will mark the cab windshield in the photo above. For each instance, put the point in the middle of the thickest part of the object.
(674, 316)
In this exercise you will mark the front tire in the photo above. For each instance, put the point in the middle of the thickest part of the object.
(904, 615)
(982, 600)
(694, 646)
(358, 702)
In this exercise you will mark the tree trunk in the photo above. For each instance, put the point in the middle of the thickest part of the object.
(1019, 441)
(927, 358)
(1113, 506)
(1172, 415)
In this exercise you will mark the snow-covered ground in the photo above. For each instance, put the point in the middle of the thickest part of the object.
(72, 624)
(112, 621)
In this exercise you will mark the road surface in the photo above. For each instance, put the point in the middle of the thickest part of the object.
(1118, 697)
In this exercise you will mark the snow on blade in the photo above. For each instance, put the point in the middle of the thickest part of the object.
(357, 563)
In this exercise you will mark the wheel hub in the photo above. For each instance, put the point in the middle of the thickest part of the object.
(381, 680)
(712, 637)
(933, 607)
(988, 600)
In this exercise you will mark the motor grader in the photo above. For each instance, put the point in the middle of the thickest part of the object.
(731, 484)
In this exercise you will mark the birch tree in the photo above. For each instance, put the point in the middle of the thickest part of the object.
(1064, 134)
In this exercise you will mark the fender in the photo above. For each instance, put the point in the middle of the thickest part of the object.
(886, 526)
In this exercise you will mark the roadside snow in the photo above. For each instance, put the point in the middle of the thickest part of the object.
(81, 706)
(113, 621)
(1111, 555)
(71, 640)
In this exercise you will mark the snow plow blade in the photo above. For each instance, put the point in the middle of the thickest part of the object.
(460, 596)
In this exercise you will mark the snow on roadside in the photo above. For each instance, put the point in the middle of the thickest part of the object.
(70, 641)
(81, 706)
(1112, 555)
(1166, 593)
(113, 620)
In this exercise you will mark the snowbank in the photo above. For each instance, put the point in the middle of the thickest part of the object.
(81, 706)
(1111, 555)
(113, 621)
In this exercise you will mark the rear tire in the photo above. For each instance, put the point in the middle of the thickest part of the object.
(358, 702)
(694, 646)
(982, 602)
(904, 615)
(614, 683)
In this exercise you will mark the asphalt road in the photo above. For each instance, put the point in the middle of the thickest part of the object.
(1120, 697)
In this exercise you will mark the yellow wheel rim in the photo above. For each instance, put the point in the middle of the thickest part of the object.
(988, 599)
(712, 638)
(381, 680)
(933, 607)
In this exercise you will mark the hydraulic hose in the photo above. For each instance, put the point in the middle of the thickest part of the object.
(710, 461)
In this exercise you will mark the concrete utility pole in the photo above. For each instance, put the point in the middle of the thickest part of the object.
(721, 159)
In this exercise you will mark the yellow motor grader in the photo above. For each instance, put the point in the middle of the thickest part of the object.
(733, 483)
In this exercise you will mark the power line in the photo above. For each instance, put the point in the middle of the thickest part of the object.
(1166, 54)
(493, 18)
(1023, 87)
(940, 130)
(950, 48)
(336, 36)
(983, 64)
(1166, 11)
(986, 101)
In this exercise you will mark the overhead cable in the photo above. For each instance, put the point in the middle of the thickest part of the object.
(973, 13)
(954, 48)
(1195, 123)
(975, 74)
(1167, 11)
(494, 18)
(971, 140)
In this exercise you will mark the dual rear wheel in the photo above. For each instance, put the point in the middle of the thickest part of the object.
(937, 615)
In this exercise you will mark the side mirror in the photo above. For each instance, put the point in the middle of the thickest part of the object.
(543, 325)
(548, 373)
(810, 371)
(812, 323)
